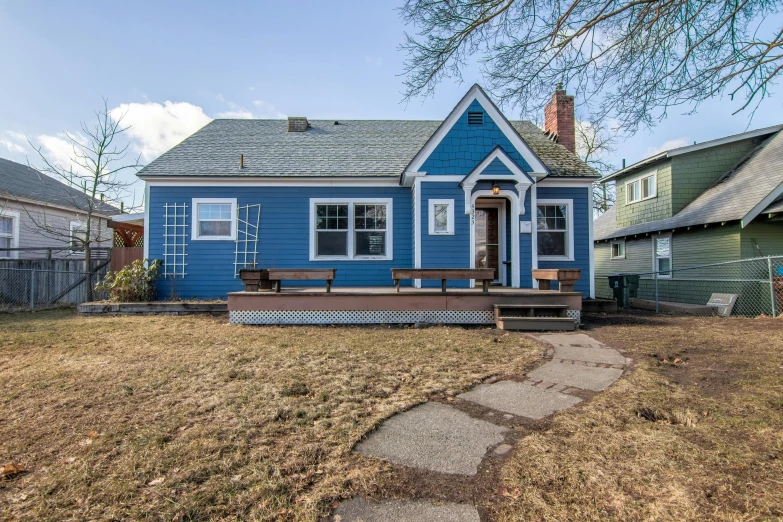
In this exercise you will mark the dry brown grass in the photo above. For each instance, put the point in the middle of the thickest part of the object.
(694, 433)
(188, 418)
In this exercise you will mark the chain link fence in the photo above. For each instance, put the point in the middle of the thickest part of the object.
(748, 287)
(24, 289)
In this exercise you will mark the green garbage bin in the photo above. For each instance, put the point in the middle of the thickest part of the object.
(617, 283)
(632, 284)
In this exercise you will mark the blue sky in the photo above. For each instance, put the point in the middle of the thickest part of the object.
(173, 65)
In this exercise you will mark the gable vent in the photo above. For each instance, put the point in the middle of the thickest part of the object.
(475, 118)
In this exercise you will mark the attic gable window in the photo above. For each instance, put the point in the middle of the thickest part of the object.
(475, 118)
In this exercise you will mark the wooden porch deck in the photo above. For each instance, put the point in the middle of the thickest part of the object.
(380, 305)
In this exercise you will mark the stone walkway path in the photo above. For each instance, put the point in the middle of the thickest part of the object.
(443, 439)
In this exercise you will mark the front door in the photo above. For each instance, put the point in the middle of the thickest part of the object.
(487, 254)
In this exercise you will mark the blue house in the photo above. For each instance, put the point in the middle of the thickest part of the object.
(364, 196)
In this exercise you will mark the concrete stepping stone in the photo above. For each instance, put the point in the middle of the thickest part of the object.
(578, 340)
(435, 437)
(360, 510)
(520, 399)
(576, 375)
(596, 355)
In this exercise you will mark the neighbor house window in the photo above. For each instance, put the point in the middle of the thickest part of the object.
(354, 229)
(662, 246)
(618, 249)
(441, 217)
(215, 218)
(9, 234)
(78, 236)
(555, 229)
(640, 189)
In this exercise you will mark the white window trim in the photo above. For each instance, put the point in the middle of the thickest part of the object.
(449, 219)
(655, 255)
(611, 249)
(654, 194)
(194, 222)
(72, 225)
(351, 228)
(15, 216)
(569, 203)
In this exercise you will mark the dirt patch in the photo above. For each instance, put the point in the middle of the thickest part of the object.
(695, 432)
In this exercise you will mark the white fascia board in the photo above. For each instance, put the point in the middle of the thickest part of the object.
(476, 93)
(146, 221)
(224, 181)
(567, 182)
(724, 141)
(517, 174)
(761, 205)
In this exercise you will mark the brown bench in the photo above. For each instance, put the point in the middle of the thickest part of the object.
(486, 275)
(567, 277)
(302, 274)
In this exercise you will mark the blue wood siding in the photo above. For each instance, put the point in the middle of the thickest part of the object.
(582, 214)
(464, 146)
(439, 251)
(284, 237)
(496, 168)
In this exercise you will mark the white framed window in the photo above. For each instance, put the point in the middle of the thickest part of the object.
(350, 229)
(9, 233)
(618, 249)
(214, 219)
(78, 236)
(441, 217)
(555, 229)
(640, 189)
(662, 255)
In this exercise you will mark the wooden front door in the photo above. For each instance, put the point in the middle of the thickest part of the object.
(487, 254)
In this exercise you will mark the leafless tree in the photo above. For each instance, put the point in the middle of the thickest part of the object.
(594, 142)
(632, 60)
(93, 181)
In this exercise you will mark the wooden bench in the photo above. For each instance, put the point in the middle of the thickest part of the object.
(567, 277)
(486, 275)
(302, 274)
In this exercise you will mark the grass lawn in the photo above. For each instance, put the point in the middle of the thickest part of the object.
(694, 433)
(189, 418)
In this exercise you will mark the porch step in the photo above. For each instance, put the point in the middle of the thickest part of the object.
(535, 323)
(531, 310)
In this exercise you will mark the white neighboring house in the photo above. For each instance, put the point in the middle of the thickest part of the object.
(38, 212)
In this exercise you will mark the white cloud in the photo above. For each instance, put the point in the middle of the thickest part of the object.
(155, 127)
(668, 145)
(267, 110)
(59, 150)
(15, 142)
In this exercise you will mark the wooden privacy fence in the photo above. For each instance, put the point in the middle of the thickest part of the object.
(44, 283)
(123, 256)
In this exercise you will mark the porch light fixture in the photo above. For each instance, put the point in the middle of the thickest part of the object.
(495, 188)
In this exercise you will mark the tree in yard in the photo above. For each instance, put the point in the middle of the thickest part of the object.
(93, 179)
(630, 60)
(594, 140)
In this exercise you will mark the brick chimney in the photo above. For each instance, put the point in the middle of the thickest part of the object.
(297, 124)
(559, 118)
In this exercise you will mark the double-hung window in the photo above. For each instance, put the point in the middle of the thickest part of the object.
(640, 189)
(351, 229)
(9, 234)
(214, 218)
(662, 253)
(555, 225)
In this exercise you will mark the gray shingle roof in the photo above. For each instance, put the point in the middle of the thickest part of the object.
(731, 198)
(21, 181)
(353, 148)
(775, 207)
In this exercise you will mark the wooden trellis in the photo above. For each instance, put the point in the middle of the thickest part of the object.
(246, 250)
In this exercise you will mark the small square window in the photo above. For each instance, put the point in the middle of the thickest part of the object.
(618, 249)
(214, 219)
(441, 217)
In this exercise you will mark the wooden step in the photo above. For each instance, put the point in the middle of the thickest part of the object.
(535, 323)
(544, 310)
(531, 306)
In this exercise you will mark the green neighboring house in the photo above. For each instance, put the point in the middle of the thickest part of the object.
(717, 201)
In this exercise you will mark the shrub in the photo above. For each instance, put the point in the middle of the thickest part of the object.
(133, 283)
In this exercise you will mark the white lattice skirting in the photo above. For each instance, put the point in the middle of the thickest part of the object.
(576, 315)
(361, 316)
